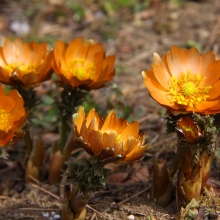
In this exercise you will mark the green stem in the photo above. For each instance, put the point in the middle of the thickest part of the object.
(28, 142)
(69, 146)
(64, 130)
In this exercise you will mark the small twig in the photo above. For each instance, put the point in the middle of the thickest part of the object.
(76, 151)
(164, 216)
(94, 210)
(154, 139)
(134, 195)
(139, 57)
(39, 209)
(216, 182)
(145, 118)
(34, 179)
(93, 216)
(4, 197)
(46, 191)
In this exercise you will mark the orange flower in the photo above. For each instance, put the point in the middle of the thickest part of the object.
(109, 140)
(185, 81)
(24, 64)
(12, 116)
(189, 130)
(83, 64)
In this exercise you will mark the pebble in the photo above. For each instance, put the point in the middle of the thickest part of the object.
(20, 27)
(131, 217)
(45, 214)
(114, 205)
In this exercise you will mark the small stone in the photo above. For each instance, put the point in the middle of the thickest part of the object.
(45, 214)
(114, 205)
(57, 216)
(131, 217)
(20, 27)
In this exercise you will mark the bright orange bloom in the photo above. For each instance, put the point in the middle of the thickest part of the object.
(185, 81)
(109, 140)
(83, 64)
(13, 116)
(24, 64)
(189, 130)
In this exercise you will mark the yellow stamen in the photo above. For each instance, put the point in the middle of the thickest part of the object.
(4, 120)
(190, 129)
(82, 70)
(118, 138)
(11, 67)
(187, 90)
(26, 69)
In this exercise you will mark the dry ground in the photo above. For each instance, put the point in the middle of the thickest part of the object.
(133, 37)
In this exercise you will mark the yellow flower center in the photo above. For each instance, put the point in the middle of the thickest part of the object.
(187, 90)
(82, 70)
(4, 120)
(26, 69)
(190, 129)
(11, 67)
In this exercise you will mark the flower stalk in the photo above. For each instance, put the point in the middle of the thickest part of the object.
(195, 159)
(85, 175)
(186, 83)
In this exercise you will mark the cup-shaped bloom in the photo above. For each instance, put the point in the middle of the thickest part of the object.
(187, 129)
(83, 64)
(25, 64)
(185, 81)
(13, 116)
(109, 140)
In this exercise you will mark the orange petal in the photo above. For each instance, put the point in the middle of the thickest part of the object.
(79, 118)
(84, 132)
(7, 103)
(5, 137)
(96, 141)
(91, 115)
(136, 154)
(131, 130)
(109, 123)
(161, 73)
(206, 104)
(120, 125)
(109, 62)
(182, 60)
(109, 139)
(93, 50)
(73, 49)
(119, 148)
(207, 59)
(130, 145)
(59, 52)
(2, 59)
(215, 91)
(157, 92)
(212, 75)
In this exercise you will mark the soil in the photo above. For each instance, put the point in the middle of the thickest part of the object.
(132, 37)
